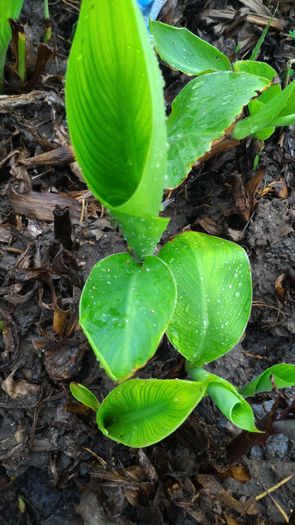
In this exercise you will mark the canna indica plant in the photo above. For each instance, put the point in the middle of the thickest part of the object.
(9, 9)
(197, 288)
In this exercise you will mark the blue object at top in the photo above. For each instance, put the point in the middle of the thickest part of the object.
(151, 8)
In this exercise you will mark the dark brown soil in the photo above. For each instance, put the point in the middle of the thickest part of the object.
(56, 468)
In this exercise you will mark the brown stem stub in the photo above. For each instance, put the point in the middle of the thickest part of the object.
(63, 226)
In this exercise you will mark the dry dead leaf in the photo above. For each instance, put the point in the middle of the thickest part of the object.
(18, 388)
(279, 287)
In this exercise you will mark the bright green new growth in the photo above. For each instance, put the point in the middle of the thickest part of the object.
(186, 52)
(116, 117)
(213, 281)
(139, 413)
(125, 309)
(198, 289)
(8, 9)
(84, 396)
(277, 376)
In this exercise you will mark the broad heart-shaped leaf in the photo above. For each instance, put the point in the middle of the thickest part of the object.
(125, 308)
(214, 295)
(186, 52)
(141, 412)
(269, 114)
(8, 9)
(115, 110)
(201, 113)
(229, 401)
(84, 396)
(277, 376)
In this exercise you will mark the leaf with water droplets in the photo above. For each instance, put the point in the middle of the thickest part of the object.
(186, 52)
(141, 412)
(125, 309)
(214, 294)
(116, 113)
(277, 376)
(201, 113)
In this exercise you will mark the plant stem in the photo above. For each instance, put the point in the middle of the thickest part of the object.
(47, 23)
(21, 51)
(196, 372)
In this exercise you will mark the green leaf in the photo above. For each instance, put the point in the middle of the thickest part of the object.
(186, 52)
(214, 295)
(8, 9)
(256, 104)
(227, 398)
(116, 113)
(278, 376)
(139, 413)
(125, 309)
(84, 396)
(201, 113)
(268, 115)
(260, 69)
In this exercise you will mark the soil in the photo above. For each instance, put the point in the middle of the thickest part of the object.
(56, 468)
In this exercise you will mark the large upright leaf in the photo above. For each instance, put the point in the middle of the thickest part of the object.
(214, 294)
(8, 9)
(277, 376)
(269, 114)
(228, 399)
(139, 413)
(116, 115)
(184, 51)
(201, 113)
(125, 308)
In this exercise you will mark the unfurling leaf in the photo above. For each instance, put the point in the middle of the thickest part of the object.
(183, 50)
(125, 309)
(228, 399)
(277, 376)
(139, 413)
(201, 113)
(116, 115)
(214, 295)
(82, 394)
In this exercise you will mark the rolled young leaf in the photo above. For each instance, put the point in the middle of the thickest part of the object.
(125, 309)
(84, 396)
(268, 114)
(228, 399)
(214, 295)
(116, 115)
(139, 413)
(201, 113)
(277, 376)
(8, 9)
(186, 52)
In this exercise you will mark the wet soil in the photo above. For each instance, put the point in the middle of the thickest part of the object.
(56, 469)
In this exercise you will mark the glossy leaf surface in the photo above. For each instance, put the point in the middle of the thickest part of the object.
(115, 110)
(139, 413)
(125, 308)
(260, 69)
(228, 399)
(277, 376)
(214, 295)
(268, 115)
(201, 113)
(82, 394)
(257, 104)
(186, 52)
(8, 9)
